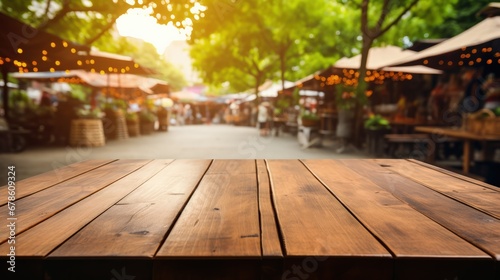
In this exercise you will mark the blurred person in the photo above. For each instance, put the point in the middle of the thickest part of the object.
(262, 118)
(438, 99)
(492, 92)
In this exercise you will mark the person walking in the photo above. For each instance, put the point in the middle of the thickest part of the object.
(262, 118)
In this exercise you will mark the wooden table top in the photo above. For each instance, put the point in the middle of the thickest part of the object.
(457, 133)
(252, 219)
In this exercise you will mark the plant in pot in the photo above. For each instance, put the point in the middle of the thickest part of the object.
(87, 113)
(147, 120)
(309, 119)
(132, 120)
(345, 100)
(377, 122)
(376, 127)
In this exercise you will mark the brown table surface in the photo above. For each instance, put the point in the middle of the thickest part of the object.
(253, 219)
(466, 136)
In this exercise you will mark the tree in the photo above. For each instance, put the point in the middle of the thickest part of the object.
(231, 55)
(276, 39)
(94, 18)
(376, 19)
(165, 70)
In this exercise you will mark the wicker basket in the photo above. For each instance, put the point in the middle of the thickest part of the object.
(87, 132)
(483, 122)
(492, 126)
(133, 128)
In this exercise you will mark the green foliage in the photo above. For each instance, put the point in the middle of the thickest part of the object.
(91, 17)
(147, 116)
(131, 117)
(79, 92)
(247, 42)
(497, 111)
(308, 115)
(87, 113)
(376, 122)
(250, 41)
(459, 16)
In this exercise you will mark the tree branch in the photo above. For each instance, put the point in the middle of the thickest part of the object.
(59, 15)
(105, 28)
(383, 15)
(365, 29)
(46, 13)
(393, 22)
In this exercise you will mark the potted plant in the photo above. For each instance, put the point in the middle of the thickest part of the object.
(132, 120)
(377, 122)
(309, 119)
(345, 99)
(376, 127)
(147, 121)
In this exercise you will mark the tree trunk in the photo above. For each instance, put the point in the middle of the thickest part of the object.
(360, 93)
(282, 67)
(5, 95)
(258, 79)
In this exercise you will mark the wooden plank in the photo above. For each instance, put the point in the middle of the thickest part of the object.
(40, 240)
(322, 240)
(406, 232)
(272, 254)
(40, 206)
(222, 217)
(136, 225)
(271, 246)
(454, 174)
(312, 221)
(409, 235)
(218, 231)
(470, 224)
(479, 197)
(46, 180)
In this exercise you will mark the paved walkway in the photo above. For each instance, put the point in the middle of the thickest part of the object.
(194, 141)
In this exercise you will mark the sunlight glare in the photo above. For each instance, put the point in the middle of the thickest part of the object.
(138, 23)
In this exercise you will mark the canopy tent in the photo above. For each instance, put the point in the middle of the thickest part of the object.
(24, 48)
(270, 89)
(345, 69)
(478, 46)
(130, 81)
(188, 96)
(27, 49)
(380, 57)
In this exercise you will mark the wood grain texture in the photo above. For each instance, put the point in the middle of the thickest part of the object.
(406, 232)
(454, 174)
(312, 221)
(35, 208)
(479, 197)
(48, 179)
(136, 225)
(470, 224)
(271, 246)
(222, 217)
(40, 240)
